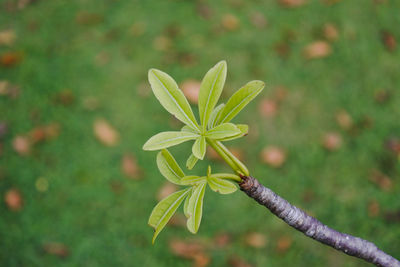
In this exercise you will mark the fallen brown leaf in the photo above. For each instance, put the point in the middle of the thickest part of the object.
(267, 108)
(332, 141)
(162, 43)
(381, 180)
(22, 145)
(13, 199)
(9, 59)
(130, 167)
(389, 41)
(256, 240)
(57, 249)
(7, 37)
(330, 32)
(222, 240)
(317, 49)
(273, 156)
(292, 3)
(283, 244)
(44, 133)
(236, 261)
(65, 98)
(344, 120)
(191, 89)
(373, 208)
(190, 250)
(166, 189)
(105, 133)
(230, 22)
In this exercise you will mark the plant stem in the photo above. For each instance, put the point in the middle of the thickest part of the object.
(229, 158)
(311, 227)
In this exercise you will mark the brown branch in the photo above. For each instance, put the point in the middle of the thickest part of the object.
(311, 227)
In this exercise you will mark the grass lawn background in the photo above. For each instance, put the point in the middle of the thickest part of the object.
(102, 50)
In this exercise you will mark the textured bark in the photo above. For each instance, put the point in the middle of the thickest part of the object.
(308, 225)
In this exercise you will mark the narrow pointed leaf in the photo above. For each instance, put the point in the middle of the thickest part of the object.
(191, 161)
(188, 129)
(222, 131)
(210, 91)
(214, 116)
(227, 176)
(195, 209)
(171, 97)
(239, 100)
(186, 203)
(244, 129)
(192, 180)
(199, 147)
(221, 186)
(167, 139)
(164, 210)
(168, 167)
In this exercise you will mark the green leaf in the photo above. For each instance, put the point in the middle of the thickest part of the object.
(214, 116)
(221, 186)
(171, 97)
(210, 91)
(164, 210)
(167, 139)
(188, 129)
(186, 204)
(168, 167)
(192, 180)
(227, 176)
(239, 100)
(222, 131)
(191, 161)
(244, 129)
(199, 147)
(195, 209)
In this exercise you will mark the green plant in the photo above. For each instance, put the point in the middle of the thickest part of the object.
(214, 128)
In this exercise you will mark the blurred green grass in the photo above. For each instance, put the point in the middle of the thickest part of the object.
(103, 49)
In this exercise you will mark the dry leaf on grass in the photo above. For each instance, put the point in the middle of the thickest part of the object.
(267, 108)
(283, 244)
(373, 208)
(190, 250)
(105, 133)
(9, 59)
(256, 240)
(344, 120)
(273, 156)
(389, 41)
(230, 22)
(317, 49)
(7, 37)
(165, 190)
(332, 141)
(292, 3)
(191, 89)
(330, 32)
(236, 261)
(222, 240)
(13, 199)
(22, 145)
(381, 180)
(130, 167)
(57, 249)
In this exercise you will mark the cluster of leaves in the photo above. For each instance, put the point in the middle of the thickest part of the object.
(192, 195)
(214, 127)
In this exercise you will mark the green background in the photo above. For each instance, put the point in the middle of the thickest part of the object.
(63, 45)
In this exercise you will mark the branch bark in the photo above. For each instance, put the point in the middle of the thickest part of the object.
(311, 227)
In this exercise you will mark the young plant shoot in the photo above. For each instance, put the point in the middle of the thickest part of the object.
(214, 128)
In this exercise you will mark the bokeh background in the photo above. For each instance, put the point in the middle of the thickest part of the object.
(76, 108)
